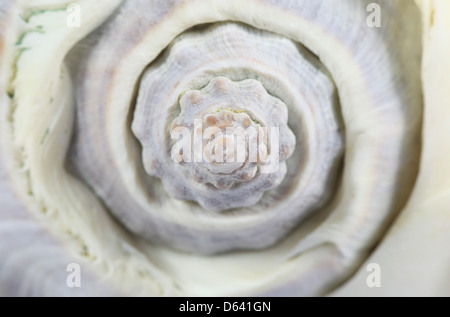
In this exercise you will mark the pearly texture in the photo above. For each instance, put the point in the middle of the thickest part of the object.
(376, 73)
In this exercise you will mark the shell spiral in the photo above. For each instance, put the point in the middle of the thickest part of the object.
(222, 144)
(176, 140)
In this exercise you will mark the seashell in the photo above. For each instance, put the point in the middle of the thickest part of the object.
(173, 91)
(214, 147)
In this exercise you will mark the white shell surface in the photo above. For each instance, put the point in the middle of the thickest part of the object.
(373, 94)
(414, 255)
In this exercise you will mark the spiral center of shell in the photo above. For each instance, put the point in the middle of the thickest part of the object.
(226, 134)
(211, 155)
(217, 139)
(229, 142)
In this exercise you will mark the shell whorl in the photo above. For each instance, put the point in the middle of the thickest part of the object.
(271, 86)
(120, 190)
(233, 136)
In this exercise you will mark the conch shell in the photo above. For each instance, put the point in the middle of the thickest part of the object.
(92, 174)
